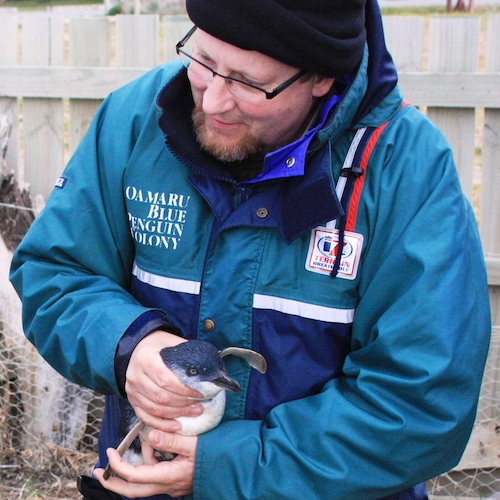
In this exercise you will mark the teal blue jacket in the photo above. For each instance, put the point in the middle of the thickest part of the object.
(374, 375)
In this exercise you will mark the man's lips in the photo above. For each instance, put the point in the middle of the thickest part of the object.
(223, 126)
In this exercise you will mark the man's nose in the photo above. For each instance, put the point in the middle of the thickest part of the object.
(217, 98)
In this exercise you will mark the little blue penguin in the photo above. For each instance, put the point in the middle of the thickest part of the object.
(198, 365)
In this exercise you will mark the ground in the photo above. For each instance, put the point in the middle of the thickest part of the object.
(21, 477)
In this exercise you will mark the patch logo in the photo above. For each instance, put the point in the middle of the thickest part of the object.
(323, 248)
(61, 182)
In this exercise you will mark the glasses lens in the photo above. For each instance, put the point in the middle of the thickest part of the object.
(245, 92)
(196, 68)
(238, 89)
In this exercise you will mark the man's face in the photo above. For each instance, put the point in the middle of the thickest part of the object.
(232, 129)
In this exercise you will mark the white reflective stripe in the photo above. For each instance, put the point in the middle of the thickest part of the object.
(339, 188)
(353, 147)
(303, 309)
(172, 284)
(347, 164)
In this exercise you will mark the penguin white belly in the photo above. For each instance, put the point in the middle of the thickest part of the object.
(213, 410)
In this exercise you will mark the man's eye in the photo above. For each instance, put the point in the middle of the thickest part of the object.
(192, 371)
(204, 59)
(248, 82)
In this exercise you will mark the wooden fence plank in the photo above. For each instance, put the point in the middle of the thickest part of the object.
(89, 41)
(422, 89)
(174, 28)
(9, 50)
(44, 139)
(458, 43)
(9, 39)
(43, 128)
(451, 90)
(493, 263)
(74, 83)
(490, 185)
(455, 43)
(42, 41)
(137, 41)
(404, 39)
(89, 46)
(492, 37)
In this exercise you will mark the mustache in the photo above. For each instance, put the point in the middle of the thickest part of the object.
(224, 150)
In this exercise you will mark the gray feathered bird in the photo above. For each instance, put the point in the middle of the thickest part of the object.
(198, 365)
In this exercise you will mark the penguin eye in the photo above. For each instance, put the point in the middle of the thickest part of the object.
(192, 371)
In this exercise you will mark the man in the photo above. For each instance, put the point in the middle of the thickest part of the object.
(228, 233)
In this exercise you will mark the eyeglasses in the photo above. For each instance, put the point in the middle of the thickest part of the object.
(243, 90)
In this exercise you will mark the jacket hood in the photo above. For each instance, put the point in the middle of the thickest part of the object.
(381, 71)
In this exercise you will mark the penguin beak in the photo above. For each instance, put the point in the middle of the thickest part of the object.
(228, 383)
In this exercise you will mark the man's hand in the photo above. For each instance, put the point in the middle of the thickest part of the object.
(174, 478)
(154, 392)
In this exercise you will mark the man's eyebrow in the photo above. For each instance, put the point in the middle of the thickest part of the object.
(240, 75)
(203, 54)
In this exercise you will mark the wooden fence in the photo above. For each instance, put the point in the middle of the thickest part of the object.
(54, 72)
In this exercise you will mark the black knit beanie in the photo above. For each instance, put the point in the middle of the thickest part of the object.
(322, 36)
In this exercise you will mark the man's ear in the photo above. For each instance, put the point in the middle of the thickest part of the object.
(322, 84)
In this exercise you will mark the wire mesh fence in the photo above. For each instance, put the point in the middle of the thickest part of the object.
(48, 426)
(37, 403)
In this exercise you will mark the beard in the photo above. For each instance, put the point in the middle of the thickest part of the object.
(224, 147)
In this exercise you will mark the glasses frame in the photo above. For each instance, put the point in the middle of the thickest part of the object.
(269, 95)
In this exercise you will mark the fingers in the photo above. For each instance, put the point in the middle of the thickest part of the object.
(160, 377)
(162, 417)
(153, 389)
(146, 390)
(174, 478)
(127, 488)
(146, 361)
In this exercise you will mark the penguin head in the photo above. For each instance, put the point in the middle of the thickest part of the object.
(198, 365)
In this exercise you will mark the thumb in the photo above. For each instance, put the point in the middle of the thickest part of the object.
(174, 443)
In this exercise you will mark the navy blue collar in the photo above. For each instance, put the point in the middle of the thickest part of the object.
(289, 160)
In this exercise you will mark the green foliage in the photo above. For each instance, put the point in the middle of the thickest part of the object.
(115, 10)
(414, 11)
(28, 5)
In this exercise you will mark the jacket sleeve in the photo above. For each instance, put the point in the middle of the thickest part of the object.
(403, 410)
(73, 268)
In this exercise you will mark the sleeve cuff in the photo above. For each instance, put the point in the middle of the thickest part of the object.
(140, 328)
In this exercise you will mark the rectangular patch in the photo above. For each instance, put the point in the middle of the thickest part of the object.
(323, 250)
(61, 182)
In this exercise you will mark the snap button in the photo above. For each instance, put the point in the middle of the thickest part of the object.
(262, 213)
(290, 162)
(209, 325)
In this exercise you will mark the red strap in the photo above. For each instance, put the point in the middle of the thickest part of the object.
(352, 213)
